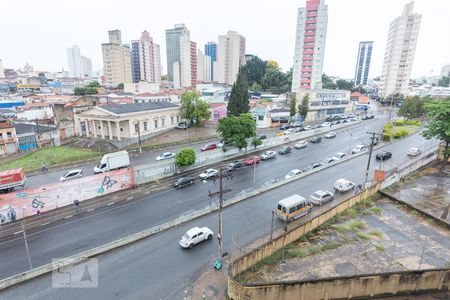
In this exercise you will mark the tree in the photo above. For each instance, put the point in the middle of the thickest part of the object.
(120, 86)
(164, 78)
(292, 107)
(255, 87)
(271, 64)
(236, 129)
(438, 115)
(85, 90)
(412, 107)
(304, 106)
(256, 142)
(238, 103)
(273, 80)
(359, 89)
(185, 158)
(444, 81)
(94, 84)
(327, 83)
(254, 70)
(344, 84)
(194, 109)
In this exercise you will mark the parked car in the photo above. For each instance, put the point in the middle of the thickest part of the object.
(327, 160)
(289, 131)
(376, 141)
(343, 185)
(262, 137)
(325, 124)
(252, 160)
(315, 140)
(234, 165)
(222, 144)
(207, 147)
(210, 173)
(284, 150)
(330, 135)
(338, 155)
(285, 127)
(183, 125)
(299, 129)
(297, 124)
(358, 148)
(335, 122)
(195, 235)
(165, 155)
(320, 197)
(383, 155)
(183, 181)
(365, 117)
(414, 151)
(307, 127)
(72, 174)
(371, 116)
(311, 166)
(268, 155)
(301, 144)
(293, 173)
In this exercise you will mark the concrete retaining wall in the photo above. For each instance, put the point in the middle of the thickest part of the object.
(348, 287)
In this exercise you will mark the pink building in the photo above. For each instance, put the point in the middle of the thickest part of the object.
(218, 111)
(193, 63)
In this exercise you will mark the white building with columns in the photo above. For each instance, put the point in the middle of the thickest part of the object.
(125, 121)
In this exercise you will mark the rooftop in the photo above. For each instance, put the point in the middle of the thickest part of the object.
(31, 127)
(136, 107)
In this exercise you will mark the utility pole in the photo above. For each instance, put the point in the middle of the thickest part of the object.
(25, 238)
(222, 174)
(370, 155)
(139, 136)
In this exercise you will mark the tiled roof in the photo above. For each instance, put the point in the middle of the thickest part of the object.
(136, 107)
(27, 127)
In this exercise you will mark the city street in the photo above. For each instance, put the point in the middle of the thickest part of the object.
(157, 268)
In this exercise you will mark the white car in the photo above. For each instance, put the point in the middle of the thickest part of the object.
(325, 124)
(293, 173)
(320, 197)
(208, 174)
(72, 174)
(338, 156)
(343, 185)
(358, 148)
(307, 127)
(414, 151)
(289, 131)
(165, 155)
(268, 155)
(195, 235)
(330, 135)
(301, 144)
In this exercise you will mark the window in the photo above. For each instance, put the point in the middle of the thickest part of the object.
(291, 210)
(156, 123)
(136, 128)
(163, 122)
(178, 119)
(145, 125)
(121, 129)
(171, 120)
(260, 118)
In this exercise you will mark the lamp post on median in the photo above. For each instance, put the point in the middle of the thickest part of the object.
(350, 144)
(24, 209)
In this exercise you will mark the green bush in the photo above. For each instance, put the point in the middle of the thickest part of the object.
(397, 135)
(399, 123)
(413, 122)
(387, 137)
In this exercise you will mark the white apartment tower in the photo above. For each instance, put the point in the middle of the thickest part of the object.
(203, 67)
(182, 68)
(230, 56)
(310, 45)
(116, 60)
(2, 72)
(79, 66)
(400, 50)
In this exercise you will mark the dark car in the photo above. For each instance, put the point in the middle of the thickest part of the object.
(365, 117)
(315, 140)
(208, 147)
(183, 181)
(234, 165)
(284, 127)
(183, 125)
(383, 155)
(376, 141)
(311, 166)
(285, 150)
(262, 137)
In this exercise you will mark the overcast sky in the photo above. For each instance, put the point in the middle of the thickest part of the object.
(39, 32)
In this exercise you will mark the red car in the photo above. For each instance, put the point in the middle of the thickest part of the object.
(208, 147)
(252, 160)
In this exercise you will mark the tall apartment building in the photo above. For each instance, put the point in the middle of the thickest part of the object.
(79, 66)
(363, 63)
(181, 69)
(145, 59)
(445, 70)
(176, 39)
(2, 72)
(116, 60)
(211, 51)
(203, 67)
(400, 50)
(230, 56)
(193, 63)
(310, 45)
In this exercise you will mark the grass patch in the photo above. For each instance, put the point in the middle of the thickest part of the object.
(357, 224)
(376, 210)
(52, 156)
(379, 248)
(330, 246)
(350, 212)
(377, 233)
(304, 251)
(342, 228)
(362, 235)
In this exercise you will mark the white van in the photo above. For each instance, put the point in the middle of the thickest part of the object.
(293, 207)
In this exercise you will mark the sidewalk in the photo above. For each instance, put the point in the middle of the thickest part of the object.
(211, 283)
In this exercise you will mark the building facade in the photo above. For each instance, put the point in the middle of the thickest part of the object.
(173, 49)
(324, 102)
(211, 51)
(116, 60)
(8, 138)
(363, 63)
(79, 66)
(203, 68)
(193, 63)
(445, 70)
(127, 121)
(2, 72)
(145, 56)
(400, 50)
(310, 45)
(230, 56)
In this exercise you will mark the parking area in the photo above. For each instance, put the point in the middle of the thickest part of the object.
(372, 237)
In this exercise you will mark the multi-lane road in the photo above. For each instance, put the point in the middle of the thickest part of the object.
(157, 268)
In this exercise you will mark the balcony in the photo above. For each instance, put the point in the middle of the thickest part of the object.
(305, 80)
(306, 70)
(306, 75)
(307, 64)
(310, 40)
(308, 52)
(312, 21)
(311, 14)
(310, 33)
(310, 27)
(308, 46)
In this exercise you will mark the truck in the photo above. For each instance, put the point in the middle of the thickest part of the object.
(11, 179)
(113, 161)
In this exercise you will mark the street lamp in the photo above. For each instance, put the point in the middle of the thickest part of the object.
(24, 209)
(350, 144)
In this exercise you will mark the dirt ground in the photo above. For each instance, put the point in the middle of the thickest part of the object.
(181, 136)
(381, 237)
